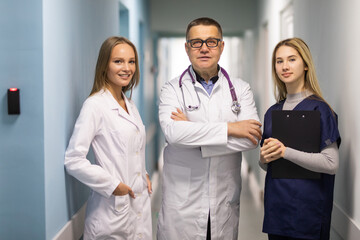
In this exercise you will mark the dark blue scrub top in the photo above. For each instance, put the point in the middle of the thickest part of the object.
(301, 208)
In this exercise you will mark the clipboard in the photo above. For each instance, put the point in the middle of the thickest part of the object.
(299, 130)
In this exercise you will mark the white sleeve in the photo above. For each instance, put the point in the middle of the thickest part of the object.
(248, 111)
(186, 133)
(86, 127)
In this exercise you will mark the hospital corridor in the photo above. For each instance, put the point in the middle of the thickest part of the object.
(48, 62)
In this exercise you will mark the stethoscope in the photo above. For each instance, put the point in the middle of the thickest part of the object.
(235, 107)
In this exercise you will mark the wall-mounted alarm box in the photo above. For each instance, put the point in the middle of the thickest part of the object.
(13, 101)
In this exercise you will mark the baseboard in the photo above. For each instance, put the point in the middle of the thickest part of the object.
(345, 226)
(73, 229)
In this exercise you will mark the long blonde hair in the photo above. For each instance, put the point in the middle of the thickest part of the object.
(102, 65)
(311, 82)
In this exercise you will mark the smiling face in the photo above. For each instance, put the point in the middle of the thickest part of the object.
(204, 60)
(122, 66)
(290, 69)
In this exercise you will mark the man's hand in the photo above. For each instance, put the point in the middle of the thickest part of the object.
(178, 116)
(249, 129)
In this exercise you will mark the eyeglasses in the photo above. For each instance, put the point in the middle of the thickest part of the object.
(210, 42)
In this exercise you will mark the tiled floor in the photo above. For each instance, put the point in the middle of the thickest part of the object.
(251, 212)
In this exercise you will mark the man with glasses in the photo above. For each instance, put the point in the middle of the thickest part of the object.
(207, 120)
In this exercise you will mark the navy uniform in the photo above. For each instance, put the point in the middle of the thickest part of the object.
(301, 208)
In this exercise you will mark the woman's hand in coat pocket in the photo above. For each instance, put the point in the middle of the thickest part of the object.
(123, 189)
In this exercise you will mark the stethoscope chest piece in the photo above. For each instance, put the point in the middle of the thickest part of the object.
(235, 107)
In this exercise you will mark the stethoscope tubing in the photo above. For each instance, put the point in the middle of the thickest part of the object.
(235, 104)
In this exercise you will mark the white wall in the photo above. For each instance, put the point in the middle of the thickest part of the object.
(331, 30)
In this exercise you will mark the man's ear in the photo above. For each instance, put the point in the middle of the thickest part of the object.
(187, 48)
(222, 45)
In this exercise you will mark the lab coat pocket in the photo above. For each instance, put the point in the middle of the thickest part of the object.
(121, 204)
(176, 184)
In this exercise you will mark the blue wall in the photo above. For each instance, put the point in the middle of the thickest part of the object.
(73, 33)
(22, 136)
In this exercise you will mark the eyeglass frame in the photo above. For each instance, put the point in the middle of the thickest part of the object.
(204, 41)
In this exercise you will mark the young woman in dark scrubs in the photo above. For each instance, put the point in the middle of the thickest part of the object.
(299, 209)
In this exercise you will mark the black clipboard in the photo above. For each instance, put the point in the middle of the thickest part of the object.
(299, 130)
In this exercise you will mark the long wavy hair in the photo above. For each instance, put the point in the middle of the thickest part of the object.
(311, 82)
(102, 65)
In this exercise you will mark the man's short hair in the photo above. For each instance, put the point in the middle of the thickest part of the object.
(203, 21)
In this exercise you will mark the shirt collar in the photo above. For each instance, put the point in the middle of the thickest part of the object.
(213, 79)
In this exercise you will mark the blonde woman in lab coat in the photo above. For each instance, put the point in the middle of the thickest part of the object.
(119, 203)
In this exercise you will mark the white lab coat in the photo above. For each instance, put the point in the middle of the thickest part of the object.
(202, 165)
(118, 141)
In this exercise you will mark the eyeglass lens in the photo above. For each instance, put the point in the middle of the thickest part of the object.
(210, 42)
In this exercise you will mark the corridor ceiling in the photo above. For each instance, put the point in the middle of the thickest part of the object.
(170, 17)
